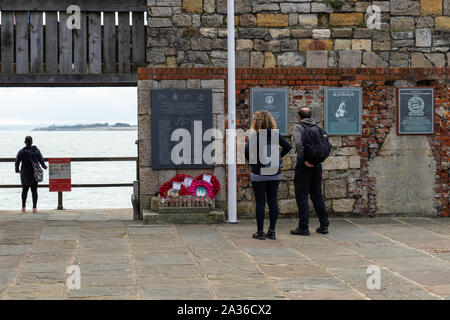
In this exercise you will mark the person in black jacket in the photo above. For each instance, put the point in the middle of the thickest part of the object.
(265, 168)
(307, 180)
(26, 156)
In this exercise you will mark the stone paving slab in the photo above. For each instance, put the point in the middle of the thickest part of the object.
(121, 259)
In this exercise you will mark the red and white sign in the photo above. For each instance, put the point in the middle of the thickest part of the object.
(59, 175)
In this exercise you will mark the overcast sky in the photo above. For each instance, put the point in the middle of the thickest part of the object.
(46, 106)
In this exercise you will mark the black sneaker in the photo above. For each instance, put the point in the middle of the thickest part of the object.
(323, 230)
(260, 235)
(300, 232)
(271, 234)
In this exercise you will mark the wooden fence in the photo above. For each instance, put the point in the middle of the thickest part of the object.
(37, 38)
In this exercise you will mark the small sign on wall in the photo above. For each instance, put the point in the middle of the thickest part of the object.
(274, 101)
(59, 175)
(343, 111)
(415, 110)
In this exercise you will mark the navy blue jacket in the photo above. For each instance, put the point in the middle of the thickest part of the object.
(26, 171)
(285, 148)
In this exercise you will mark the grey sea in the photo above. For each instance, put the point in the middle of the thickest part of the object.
(60, 144)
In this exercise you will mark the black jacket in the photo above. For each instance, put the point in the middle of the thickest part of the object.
(26, 171)
(285, 148)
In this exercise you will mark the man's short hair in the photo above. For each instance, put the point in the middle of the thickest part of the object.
(305, 113)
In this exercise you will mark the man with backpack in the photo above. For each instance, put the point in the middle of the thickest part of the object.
(312, 147)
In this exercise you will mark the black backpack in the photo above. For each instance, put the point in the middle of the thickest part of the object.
(316, 145)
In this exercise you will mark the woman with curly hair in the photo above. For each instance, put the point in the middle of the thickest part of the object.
(262, 151)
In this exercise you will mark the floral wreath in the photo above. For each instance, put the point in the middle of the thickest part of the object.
(201, 184)
(180, 177)
(214, 182)
(165, 187)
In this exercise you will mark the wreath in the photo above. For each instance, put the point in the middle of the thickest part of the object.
(214, 182)
(180, 177)
(167, 186)
(196, 184)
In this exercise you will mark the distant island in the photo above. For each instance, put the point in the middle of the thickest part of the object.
(90, 127)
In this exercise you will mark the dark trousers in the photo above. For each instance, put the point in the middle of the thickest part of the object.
(266, 190)
(309, 181)
(34, 194)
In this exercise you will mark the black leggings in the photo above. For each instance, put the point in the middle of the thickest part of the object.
(34, 194)
(266, 191)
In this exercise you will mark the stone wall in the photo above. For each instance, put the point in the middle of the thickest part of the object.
(151, 180)
(293, 33)
(375, 173)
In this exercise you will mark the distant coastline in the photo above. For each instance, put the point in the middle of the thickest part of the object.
(89, 127)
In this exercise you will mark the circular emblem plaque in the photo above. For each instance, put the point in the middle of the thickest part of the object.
(269, 99)
(416, 106)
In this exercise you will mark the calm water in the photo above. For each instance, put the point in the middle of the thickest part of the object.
(74, 144)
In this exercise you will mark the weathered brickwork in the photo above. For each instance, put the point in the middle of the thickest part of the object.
(271, 33)
(349, 187)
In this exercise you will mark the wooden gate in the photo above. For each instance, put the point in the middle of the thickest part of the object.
(38, 48)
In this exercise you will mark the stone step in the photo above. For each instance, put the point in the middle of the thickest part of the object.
(182, 210)
(211, 217)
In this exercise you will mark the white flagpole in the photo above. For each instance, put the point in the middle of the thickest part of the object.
(232, 215)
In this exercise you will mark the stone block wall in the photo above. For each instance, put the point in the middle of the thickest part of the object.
(294, 33)
(375, 173)
(151, 180)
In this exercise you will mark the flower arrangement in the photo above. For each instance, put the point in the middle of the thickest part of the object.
(214, 182)
(180, 177)
(167, 186)
(195, 193)
(201, 188)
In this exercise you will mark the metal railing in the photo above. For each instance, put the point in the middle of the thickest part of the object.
(81, 185)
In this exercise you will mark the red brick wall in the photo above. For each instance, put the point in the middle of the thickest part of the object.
(379, 113)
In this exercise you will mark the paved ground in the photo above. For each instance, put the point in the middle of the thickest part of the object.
(120, 259)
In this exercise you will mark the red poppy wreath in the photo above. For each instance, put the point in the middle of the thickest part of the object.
(166, 187)
(201, 188)
(214, 182)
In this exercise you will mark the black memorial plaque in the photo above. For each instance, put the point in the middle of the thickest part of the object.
(415, 110)
(178, 109)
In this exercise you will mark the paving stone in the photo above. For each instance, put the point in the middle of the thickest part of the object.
(100, 281)
(229, 292)
(170, 271)
(9, 262)
(442, 290)
(177, 294)
(36, 291)
(309, 284)
(392, 286)
(57, 236)
(104, 259)
(325, 295)
(45, 267)
(269, 256)
(13, 250)
(7, 275)
(104, 291)
(292, 272)
(256, 278)
(41, 278)
(411, 264)
(429, 278)
(105, 269)
(164, 259)
(161, 283)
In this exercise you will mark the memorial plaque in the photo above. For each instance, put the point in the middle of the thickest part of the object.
(274, 101)
(343, 111)
(178, 109)
(415, 110)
